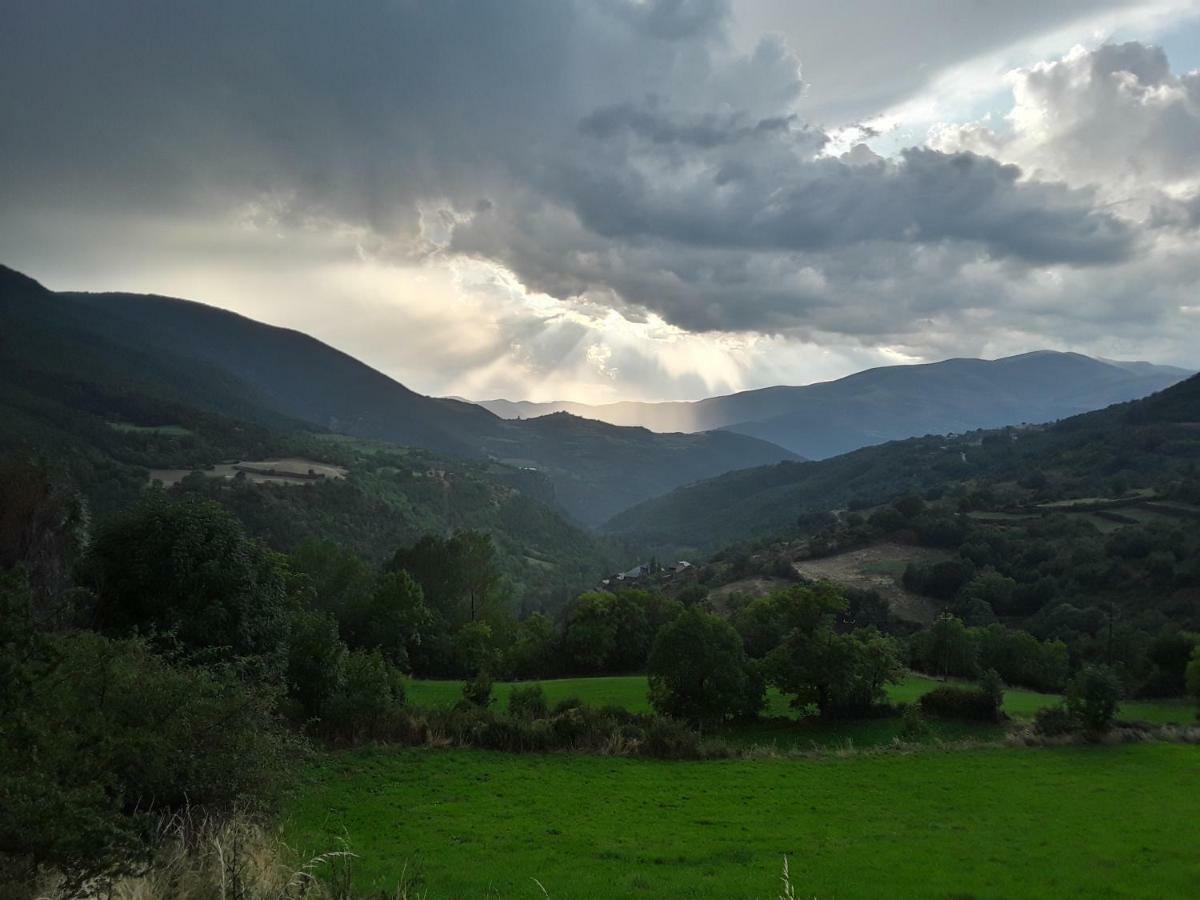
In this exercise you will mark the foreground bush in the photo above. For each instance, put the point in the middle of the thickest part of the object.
(98, 737)
(202, 857)
(969, 703)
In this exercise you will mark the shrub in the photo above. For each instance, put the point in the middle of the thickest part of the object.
(315, 656)
(567, 703)
(948, 702)
(478, 691)
(913, 726)
(528, 702)
(369, 699)
(671, 739)
(101, 736)
(1092, 698)
(1192, 676)
(1053, 721)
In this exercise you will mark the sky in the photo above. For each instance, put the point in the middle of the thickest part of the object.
(599, 200)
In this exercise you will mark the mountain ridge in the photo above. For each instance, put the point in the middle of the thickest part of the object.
(1141, 443)
(885, 403)
(267, 372)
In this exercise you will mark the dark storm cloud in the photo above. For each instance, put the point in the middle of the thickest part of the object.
(623, 151)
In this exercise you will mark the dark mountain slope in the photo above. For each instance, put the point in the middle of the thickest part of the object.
(67, 345)
(895, 402)
(1143, 443)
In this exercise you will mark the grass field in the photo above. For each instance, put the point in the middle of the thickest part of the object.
(1076, 821)
(629, 692)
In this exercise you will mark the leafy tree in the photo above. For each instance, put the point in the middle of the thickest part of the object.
(839, 673)
(946, 648)
(475, 648)
(1169, 655)
(992, 588)
(534, 649)
(590, 637)
(910, 506)
(767, 621)
(369, 691)
(459, 574)
(315, 655)
(187, 567)
(338, 578)
(1192, 677)
(392, 618)
(699, 671)
(1093, 696)
(43, 528)
(1020, 658)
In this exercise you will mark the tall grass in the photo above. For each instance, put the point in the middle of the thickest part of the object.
(202, 857)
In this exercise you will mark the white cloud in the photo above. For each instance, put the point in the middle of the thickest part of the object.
(597, 200)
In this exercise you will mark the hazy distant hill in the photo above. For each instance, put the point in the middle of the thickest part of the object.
(893, 402)
(70, 344)
(1143, 443)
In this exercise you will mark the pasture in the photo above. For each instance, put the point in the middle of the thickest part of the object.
(629, 692)
(1071, 821)
(291, 470)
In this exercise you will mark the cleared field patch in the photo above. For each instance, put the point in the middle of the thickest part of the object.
(169, 430)
(1077, 821)
(878, 568)
(289, 470)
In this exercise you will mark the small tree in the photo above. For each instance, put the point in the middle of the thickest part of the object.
(528, 702)
(1092, 698)
(1192, 678)
(698, 670)
(992, 685)
(189, 568)
(314, 660)
(478, 691)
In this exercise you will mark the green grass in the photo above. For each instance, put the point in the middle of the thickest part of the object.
(172, 430)
(629, 692)
(1076, 821)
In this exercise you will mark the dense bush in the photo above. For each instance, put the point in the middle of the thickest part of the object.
(528, 702)
(1192, 677)
(1053, 721)
(98, 737)
(970, 703)
(368, 702)
(1093, 697)
(478, 691)
(949, 648)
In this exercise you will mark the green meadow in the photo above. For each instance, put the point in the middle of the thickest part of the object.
(966, 823)
(629, 692)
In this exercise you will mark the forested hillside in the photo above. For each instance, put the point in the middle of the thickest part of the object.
(1152, 443)
(116, 351)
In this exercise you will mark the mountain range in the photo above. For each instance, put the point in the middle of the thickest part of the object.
(140, 358)
(821, 420)
(1150, 445)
